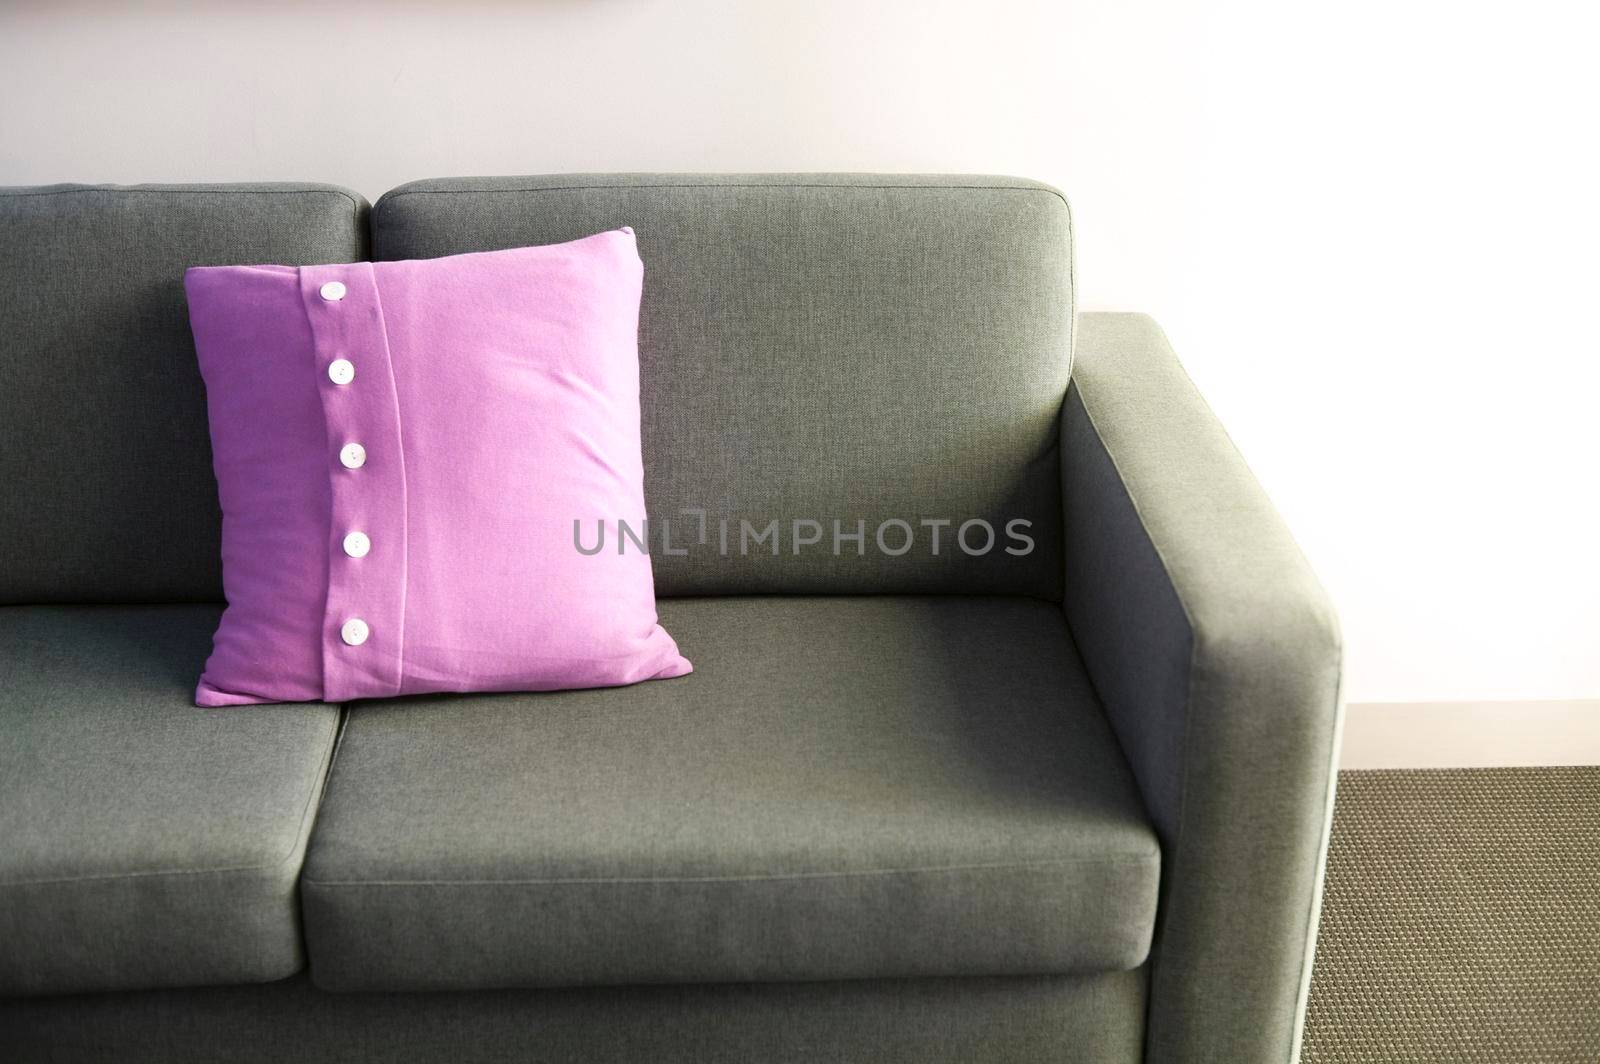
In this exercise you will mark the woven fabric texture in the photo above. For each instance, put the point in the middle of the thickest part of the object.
(846, 788)
(144, 842)
(104, 455)
(1095, 1019)
(820, 348)
(1217, 658)
(1461, 919)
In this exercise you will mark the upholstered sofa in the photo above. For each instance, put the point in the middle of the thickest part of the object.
(1062, 804)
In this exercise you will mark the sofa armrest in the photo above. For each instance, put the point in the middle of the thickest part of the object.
(1217, 657)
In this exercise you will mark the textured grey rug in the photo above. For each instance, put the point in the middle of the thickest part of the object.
(1461, 919)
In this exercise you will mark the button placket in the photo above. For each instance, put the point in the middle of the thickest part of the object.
(364, 611)
(341, 371)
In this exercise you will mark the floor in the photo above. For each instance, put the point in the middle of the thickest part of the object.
(1461, 919)
(1470, 734)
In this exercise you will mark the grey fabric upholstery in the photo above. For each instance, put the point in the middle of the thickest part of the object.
(1217, 656)
(1096, 1019)
(849, 795)
(820, 347)
(845, 788)
(104, 449)
(144, 842)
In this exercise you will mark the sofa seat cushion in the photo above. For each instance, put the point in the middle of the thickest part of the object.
(845, 788)
(144, 842)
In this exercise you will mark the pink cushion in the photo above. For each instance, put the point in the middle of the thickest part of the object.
(495, 401)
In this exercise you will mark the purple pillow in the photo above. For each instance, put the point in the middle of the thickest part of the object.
(402, 449)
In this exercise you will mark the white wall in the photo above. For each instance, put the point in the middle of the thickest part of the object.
(1370, 228)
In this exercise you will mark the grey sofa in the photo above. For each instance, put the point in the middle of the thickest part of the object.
(1065, 805)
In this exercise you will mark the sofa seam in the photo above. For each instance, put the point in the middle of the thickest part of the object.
(1117, 860)
(114, 190)
(356, 202)
(371, 271)
(1072, 289)
(400, 193)
(1314, 907)
(302, 835)
(301, 832)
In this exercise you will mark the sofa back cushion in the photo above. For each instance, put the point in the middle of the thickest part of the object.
(104, 450)
(820, 348)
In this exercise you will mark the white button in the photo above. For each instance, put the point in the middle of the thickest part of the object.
(340, 371)
(333, 291)
(355, 631)
(353, 456)
(356, 544)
